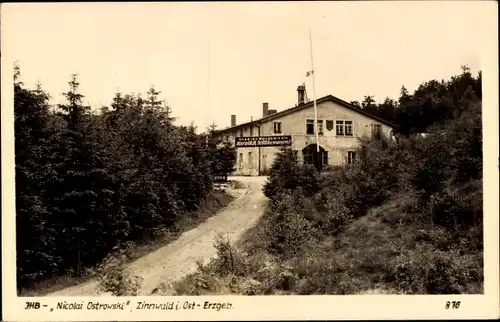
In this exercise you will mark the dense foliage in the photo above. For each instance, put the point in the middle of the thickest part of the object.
(87, 181)
(433, 102)
(436, 178)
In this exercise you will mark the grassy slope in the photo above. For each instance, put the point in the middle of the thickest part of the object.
(213, 204)
(388, 251)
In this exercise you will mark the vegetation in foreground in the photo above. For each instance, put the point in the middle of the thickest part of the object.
(89, 181)
(407, 217)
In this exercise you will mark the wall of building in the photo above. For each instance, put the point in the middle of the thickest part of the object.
(247, 159)
(294, 124)
(337, 146)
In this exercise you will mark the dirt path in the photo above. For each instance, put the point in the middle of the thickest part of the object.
(179, 257)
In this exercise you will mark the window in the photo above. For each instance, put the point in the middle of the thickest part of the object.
(376, 129)
(310, 127)
(325, 158)
(241, 133)
(240, 161)
(277, 127)
(250, 160)
(251, 130)
(339, 127)
(351, 157)
(343, 128)
(348, 128)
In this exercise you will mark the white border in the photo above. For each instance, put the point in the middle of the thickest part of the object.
(277, 307)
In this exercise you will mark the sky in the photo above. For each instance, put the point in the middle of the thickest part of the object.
(211, 60)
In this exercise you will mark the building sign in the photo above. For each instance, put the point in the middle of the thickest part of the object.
(255, 141)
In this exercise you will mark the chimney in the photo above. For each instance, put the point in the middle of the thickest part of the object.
(271, 112)
(301, 91)
(233, 120)
(265, 109)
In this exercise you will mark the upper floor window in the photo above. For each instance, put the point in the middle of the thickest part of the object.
(343, 128)
(348, 128)
(339, 127)
(251, 130)
(277, 128)
(241, 133)
(310, 127)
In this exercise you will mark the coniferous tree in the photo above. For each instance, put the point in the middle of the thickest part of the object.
(33, 151)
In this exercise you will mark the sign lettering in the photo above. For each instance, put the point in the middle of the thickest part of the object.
(262, 141)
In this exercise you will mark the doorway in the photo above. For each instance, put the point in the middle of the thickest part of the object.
(312, 156)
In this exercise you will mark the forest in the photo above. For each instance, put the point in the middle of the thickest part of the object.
(89, 179)
(432, 103)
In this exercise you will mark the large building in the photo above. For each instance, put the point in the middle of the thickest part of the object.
(340, 125)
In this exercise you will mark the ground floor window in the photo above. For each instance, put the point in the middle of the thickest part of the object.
(351, 157)
(240, 161)
(250, 160)
(376, 130)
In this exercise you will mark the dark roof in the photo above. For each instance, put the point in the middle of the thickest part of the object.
(307, 105)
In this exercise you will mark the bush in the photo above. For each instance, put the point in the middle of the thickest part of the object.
(229, 260)
(426, 270)
(114, 278)
(282, 174)
(286, 230)
(287, 175)
(337, 214)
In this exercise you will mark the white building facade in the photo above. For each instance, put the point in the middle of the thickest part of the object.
(340, 126)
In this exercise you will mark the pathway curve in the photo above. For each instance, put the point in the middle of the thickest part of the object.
(178, 258)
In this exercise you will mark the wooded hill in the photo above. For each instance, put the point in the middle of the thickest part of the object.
(88, 181)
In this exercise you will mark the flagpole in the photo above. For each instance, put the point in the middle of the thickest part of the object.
(314, 94)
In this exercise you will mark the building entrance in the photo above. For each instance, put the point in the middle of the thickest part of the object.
(312, 156)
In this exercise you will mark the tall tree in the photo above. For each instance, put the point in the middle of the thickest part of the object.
(76, 192)
(35, 233)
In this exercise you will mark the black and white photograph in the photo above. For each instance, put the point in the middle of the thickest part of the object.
(184, 149)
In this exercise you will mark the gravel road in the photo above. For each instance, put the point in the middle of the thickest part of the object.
(179, 257)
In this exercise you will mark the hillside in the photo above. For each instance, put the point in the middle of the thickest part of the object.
(406, 217)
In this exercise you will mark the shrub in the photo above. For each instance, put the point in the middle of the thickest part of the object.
(283, 173)
(337, 214)
(308, 179)
(286, 230)
(426, 270)
(229, 260)
(318, 274)
(114, 278)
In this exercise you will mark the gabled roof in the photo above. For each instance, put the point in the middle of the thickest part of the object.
(327, 98)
